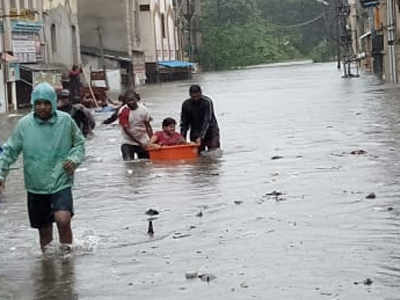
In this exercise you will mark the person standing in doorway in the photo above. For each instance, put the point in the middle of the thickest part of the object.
(75, 84)
(136, 130)
(52, 147)
(198, 116)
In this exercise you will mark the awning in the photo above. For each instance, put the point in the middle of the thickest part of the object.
(109, 54)
(176, 64)
(367, 34)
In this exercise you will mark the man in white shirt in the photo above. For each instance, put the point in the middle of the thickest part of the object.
(136, 129)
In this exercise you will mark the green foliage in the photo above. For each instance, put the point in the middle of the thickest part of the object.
(248, 32)
(323, 52)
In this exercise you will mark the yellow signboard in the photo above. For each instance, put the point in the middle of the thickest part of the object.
(24, 14)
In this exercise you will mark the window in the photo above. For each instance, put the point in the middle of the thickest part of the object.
(145, 7)
(53, 38)
(163, 26)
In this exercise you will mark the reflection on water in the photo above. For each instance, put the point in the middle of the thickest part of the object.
(320, 240)
(53, 279)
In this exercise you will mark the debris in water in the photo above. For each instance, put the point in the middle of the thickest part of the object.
(390, 208)
(129, 172)
(274, 194)
(371, 196)
(199, 214)
(244, 285)
(276, 157)
(358, 152)
(152, 212)
(191, 275)
(238, 202)
(207, 277)
(367, 281)
(178, 235)
(150, 230)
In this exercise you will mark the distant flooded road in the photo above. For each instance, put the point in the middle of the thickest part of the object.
(283, 214)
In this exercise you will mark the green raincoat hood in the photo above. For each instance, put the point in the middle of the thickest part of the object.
(45, 146)
(44, 91)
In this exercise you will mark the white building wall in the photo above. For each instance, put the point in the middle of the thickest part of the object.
(110, 16)
(62, 32)
(155, 46)
(3, 90)
(147, 38)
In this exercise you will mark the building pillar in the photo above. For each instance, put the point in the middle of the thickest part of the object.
(18, 6)
(3, 81)
(7, 26)
(14, 95)
(390, 22)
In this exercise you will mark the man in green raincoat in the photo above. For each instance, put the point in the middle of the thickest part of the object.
(52, 147)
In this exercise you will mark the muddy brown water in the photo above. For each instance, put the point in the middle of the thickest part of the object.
(321, 239)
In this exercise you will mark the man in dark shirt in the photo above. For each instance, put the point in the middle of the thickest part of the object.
(82, 116)
(198, 116)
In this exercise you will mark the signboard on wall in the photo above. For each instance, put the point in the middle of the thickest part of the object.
(369, 3)
(26, 47)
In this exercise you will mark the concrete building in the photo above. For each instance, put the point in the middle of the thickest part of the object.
(40, 39)
(376, 27)
(188, 14)
(62, 32)
(124, 33)
(21, 44)
(391, 39)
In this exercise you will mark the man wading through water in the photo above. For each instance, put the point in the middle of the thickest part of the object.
(136, 130)
(198, 116)
(52, 147)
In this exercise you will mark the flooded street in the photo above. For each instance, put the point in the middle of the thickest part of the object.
(320, 239)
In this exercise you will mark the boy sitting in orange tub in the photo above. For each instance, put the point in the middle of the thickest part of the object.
(168, 136)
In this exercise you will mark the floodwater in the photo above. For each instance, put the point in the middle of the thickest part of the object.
(320, 239)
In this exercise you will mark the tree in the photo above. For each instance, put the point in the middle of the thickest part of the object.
(245, 32)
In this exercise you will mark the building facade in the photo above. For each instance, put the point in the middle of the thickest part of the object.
(62, 32)
(22, 44)
(188, 15)
(36, 35)
(120, 33)
(376, 32)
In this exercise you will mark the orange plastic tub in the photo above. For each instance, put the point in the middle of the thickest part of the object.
(189, 151)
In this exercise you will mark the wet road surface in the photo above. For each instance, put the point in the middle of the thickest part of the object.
(320, 239)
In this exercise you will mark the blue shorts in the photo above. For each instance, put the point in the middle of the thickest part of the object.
(41, 208)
